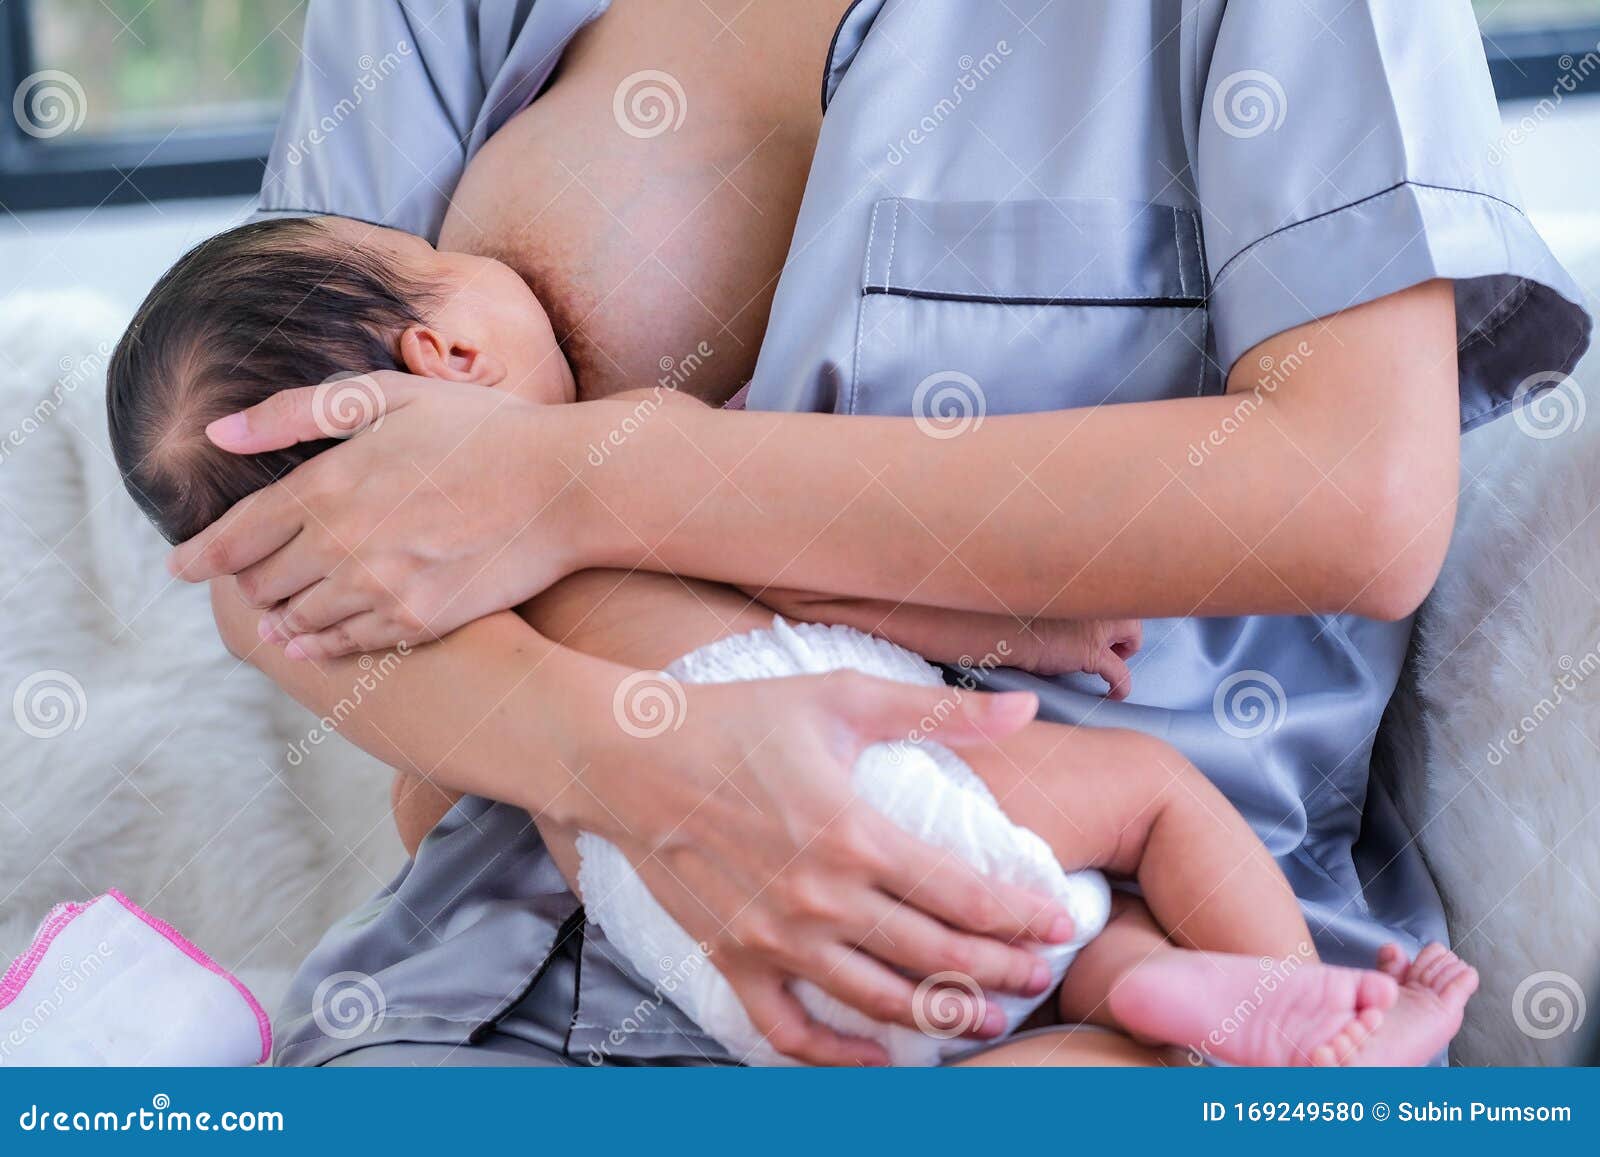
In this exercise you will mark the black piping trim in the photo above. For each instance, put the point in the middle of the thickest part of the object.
(571, 926)
(833, 45)
(1517, 209)
(1008, 299)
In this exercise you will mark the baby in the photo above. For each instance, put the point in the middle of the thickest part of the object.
(1212, 954)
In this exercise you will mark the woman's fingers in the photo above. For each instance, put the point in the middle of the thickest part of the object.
(881, 710)
(365, 632)
(253, 529)
(862, 982)
(942, 885)
(789, 1029)
(923, 946)
(312, 611)
(337, 408)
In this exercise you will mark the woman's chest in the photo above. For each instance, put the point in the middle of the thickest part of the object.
(1002, 216)
(649, 195)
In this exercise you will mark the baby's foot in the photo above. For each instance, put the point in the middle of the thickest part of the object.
(1434, 990)
(1248, 1011)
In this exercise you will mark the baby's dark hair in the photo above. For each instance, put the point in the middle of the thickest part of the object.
(258, 309)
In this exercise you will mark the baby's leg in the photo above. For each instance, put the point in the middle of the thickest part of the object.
(1133, 806)
(1217, 957)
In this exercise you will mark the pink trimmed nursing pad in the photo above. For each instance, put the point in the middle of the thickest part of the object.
(106, 983)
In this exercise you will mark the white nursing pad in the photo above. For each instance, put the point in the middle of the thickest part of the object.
(106, 983)
(922, 787)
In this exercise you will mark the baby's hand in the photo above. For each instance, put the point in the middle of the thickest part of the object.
(1096, 646)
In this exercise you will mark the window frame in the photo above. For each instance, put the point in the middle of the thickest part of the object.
(94, 171)
(1526, 63)
(53, 174)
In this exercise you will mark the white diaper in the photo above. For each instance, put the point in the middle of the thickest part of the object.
(922, 787)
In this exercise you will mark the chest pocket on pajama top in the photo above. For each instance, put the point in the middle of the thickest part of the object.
(975, 307)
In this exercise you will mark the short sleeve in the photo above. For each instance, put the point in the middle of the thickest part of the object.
(393, 97)
(1349, 149)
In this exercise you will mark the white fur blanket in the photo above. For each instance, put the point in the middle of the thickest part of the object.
(134, 751)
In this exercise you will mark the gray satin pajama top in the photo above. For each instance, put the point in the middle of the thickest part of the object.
(1016, 207)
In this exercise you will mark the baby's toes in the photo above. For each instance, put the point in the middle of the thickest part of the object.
(1348, 1040)
(1457, 983)
(1430, 958)
(1323, 1057)
(1392, 960)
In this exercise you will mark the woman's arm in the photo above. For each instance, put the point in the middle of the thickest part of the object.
(737, 813)
(1331, 491)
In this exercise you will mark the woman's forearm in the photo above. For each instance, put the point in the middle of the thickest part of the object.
(1330, 488)
(494, 710)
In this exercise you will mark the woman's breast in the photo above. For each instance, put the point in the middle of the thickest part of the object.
(649, 195)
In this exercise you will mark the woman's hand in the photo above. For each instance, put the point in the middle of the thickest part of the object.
(403, 533)
(737, 812)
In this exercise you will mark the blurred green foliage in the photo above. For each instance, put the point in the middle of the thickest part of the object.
(154, 65)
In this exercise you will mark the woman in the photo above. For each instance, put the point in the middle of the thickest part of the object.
(1272, 230)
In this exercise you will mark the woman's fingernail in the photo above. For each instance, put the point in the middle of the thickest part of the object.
(1061, 931)
(994, 1021)
(1040, 980)
(231, 428)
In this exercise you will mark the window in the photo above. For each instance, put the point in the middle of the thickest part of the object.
(1537, 47)
(126, 100)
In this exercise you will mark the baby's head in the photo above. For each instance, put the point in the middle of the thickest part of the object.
(294, 302)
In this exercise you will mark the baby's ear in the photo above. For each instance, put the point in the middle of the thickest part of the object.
(430, 354)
